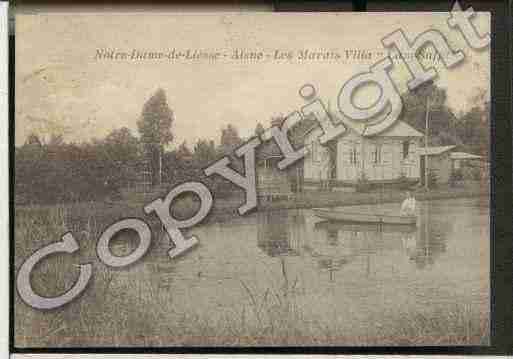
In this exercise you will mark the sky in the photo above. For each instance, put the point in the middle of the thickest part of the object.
(63, 88)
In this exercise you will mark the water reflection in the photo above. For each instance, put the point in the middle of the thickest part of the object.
(279, 233)
(334, 245)
(429, 241)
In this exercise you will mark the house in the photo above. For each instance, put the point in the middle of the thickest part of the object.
(448, 165)
(270, 181)
(438, 161)
(347, 160)
(470, 166)
(459, 158)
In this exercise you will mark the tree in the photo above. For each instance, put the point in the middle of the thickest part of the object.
(178, 166)
(118, 152)
(156, 120)
(121, 145)
(183, 152)
(473, 128)
(441, 120)
(259, 129)
(155, 128)
(230, 139)
(33, 140)
(56, 140)
(204, 152)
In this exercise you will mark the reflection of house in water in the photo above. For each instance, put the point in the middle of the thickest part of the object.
(422, 244)
(279, 232)
(335, 245)
(280, 235)
(430, 242)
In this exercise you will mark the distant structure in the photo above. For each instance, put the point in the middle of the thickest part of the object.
(273, 183)
(448, 164)
(439, 162)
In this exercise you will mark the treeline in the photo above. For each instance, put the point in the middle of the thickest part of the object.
(470, 131)
(56, 171)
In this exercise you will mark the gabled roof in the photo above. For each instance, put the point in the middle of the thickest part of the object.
(464, 156)
(400, 129)
(434, 151)
(269, 149)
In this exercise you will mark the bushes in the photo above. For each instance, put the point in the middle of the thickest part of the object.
(67, 174)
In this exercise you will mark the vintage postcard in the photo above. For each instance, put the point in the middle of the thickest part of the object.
(252, 179)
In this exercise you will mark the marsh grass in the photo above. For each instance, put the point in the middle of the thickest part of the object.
(135, 306)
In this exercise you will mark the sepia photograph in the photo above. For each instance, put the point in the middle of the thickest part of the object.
(252, 179)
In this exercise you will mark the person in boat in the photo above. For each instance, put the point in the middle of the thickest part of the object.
(408, 205)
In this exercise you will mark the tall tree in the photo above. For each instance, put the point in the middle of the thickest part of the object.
(474, 129)
(230, 139)
(259, 129)
(155, 128)
(183, 152)
(121, 145)
(428, 99)
(204, 152)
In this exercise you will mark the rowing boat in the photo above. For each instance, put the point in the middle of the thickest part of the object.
(344, 216)
(364, 227)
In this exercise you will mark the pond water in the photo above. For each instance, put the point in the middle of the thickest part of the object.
(338, 273)
(311, 277)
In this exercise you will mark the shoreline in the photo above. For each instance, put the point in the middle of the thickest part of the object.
(225, 209)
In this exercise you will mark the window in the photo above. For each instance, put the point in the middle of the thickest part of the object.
(376, 154)
(406, 149)
(316, 156)
(353, 156)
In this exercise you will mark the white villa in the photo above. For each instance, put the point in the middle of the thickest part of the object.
(351, 157)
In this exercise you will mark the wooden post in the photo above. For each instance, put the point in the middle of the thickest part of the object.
(426, 156)
(160, 165)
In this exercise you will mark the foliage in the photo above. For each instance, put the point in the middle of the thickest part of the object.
(230, 139)
(156, 120)
(56, 171)
(470, 130)
(259, 129)
(155, 128)
(204, 153)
